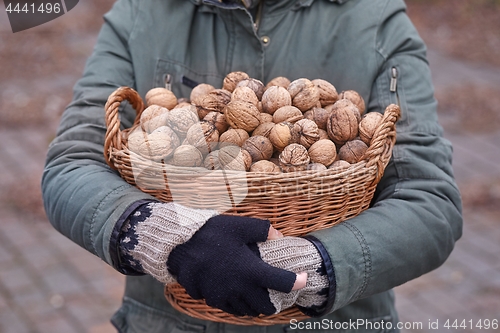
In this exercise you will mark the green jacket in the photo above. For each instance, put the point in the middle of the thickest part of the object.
(364, 45)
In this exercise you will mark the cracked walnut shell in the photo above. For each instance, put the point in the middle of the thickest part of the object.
(294, 158)
(307, 132)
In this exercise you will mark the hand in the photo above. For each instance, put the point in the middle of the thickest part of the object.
(220, 263)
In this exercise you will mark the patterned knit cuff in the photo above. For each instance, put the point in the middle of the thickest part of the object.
(153, 231)
(297, 255)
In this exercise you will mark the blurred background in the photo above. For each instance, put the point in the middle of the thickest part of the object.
(45, 280)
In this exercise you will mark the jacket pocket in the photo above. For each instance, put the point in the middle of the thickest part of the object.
(181, 79)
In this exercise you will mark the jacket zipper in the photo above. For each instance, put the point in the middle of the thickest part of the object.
(394, 82)
(168, 83)
(258, 17)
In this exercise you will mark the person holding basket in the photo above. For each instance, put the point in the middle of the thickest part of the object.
(238, 264)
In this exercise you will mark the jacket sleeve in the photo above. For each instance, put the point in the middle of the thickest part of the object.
(415, 217)
(83, 197)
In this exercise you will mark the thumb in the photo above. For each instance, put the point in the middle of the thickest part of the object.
(274, 234)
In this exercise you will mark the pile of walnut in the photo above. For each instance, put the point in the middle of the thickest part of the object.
(281, 127)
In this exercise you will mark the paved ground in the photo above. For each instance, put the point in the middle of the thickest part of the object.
(45, 284)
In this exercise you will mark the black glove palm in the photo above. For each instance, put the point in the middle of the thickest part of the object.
(221, 264)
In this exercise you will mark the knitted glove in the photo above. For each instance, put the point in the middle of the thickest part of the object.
(153, 231)
(221, 264)
(297, 255)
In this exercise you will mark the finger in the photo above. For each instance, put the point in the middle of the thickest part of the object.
(301, 281)
(274, 234)
(275, 278)
(249, 229)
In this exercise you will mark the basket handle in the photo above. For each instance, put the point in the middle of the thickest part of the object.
(383, 141)
(113, 138)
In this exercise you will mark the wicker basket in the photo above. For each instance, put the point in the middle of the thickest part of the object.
(296, 203)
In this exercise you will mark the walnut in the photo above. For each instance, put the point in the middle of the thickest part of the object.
(304, 94)
(234, 158)
(274, 98)
(162, 97)
(211, 161)
(203, 136)
(279, 81)
(307, 132)
(316, 167)
(241, 114)
(319, 116)
(218, 119)
(367, 126)
(323, 134)
(294, 158)
(281, 135)
(232, 79)
(215, 100)
(354, 97)
(181, 119)
(187, 156)
(233, 136)
(254, 84)
(323, 151)
(263, 129)
(342, 125)
(327, 92)
(153, 117)
(182, 104)
(199, 92)
(265, 166)
(135, 139)
(259, 147)
(341, 164)
(265, 118)
(159, 144)
(353, 151)
(245, 94)
(287, 113)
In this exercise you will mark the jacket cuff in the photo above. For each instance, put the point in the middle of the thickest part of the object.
(115, 238)
(330, 271)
